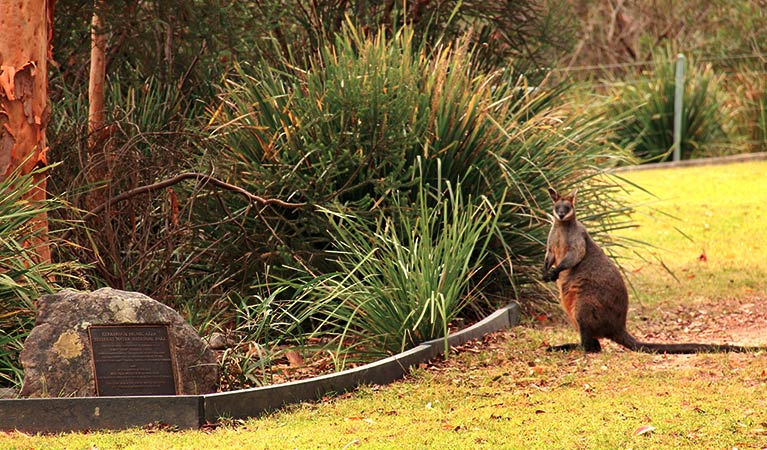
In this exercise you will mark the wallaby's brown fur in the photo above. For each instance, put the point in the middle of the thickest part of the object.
(591, 288)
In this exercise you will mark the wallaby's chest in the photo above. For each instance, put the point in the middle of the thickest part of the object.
(559, 243)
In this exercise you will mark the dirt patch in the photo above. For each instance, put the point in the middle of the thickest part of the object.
(737, 321)
(740, 321)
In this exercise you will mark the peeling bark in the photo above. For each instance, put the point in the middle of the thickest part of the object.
(25, 45)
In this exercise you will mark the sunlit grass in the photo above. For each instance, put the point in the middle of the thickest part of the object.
(514, 397)
(708, 225)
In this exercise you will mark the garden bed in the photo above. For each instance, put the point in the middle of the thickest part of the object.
(51, 415)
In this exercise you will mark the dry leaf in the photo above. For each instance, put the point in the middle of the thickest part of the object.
(294, 358)
(644, 429)
(353, 442)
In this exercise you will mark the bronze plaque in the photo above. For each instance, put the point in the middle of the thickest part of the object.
(132, 360)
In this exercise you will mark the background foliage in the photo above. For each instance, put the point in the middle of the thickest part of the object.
(649, 106)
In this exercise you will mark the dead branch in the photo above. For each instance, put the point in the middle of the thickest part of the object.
(207, 179)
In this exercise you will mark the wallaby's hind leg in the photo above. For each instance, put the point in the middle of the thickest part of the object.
(590, 344)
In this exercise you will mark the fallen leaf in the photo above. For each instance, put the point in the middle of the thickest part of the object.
(353, 442)
(644, 429)
(355, 418)
(294, 358)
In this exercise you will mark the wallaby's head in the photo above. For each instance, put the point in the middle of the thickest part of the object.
(564, 206)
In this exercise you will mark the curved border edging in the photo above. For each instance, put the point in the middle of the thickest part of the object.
(54, 415)
(718, 160)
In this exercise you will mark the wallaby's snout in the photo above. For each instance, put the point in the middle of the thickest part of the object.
(562, 211)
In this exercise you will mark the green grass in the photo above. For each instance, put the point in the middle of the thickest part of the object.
(716, 211)
(513, 394)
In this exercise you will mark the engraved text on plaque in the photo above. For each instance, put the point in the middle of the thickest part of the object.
(132, 360)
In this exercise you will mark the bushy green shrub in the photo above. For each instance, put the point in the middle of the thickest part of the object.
(648, 107)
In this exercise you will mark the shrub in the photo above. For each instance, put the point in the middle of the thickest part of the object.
(750, 94)
(150, 242)
(349, 129)
(405, 275)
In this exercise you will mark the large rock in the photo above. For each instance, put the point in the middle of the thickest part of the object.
(57, 357)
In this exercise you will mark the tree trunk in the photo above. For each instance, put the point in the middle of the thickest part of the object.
(25, 45)
(99, 156)
(97, 77)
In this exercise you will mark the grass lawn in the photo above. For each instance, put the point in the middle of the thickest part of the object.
(507, 392)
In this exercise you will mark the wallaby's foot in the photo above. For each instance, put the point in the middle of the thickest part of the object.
(563, 347)
(573, 346)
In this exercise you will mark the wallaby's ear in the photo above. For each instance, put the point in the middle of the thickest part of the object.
(571, 195)
(553, 194)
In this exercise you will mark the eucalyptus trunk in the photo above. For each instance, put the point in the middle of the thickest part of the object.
(24, 109)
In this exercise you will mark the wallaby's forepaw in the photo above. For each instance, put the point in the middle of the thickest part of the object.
(551, 276)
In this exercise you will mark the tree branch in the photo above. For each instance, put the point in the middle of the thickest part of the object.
(199, 177)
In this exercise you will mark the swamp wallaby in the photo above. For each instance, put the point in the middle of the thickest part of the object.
(591, 288)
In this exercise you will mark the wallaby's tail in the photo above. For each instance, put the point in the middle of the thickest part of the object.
(630, 342)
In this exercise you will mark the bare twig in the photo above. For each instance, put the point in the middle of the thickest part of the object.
(197, 176)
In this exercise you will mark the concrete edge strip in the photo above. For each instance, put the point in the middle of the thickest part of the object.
(53, 415)
(64, 414)
(731, 159)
